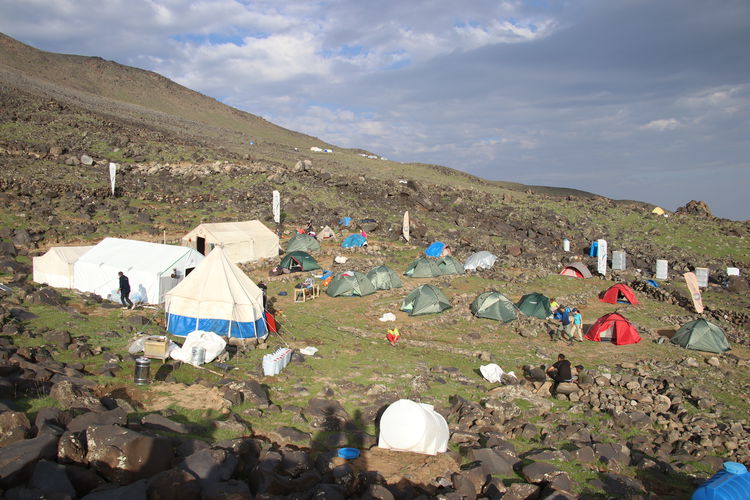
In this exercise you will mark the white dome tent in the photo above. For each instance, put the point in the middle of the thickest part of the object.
(480, 260)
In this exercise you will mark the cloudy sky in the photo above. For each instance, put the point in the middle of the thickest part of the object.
(634, 99)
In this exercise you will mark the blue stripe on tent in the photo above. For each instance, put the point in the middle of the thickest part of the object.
(435, 250)
(182, 325)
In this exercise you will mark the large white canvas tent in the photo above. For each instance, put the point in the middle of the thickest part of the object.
(153, 269)
(243, 241)
(217, 297)
(56, 266)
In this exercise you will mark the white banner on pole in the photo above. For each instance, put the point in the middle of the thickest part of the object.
(112, 172)
(601, 254)
(405, 227)
(276, 207)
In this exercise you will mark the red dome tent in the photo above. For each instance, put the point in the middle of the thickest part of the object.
(613, 327)
(576, 270)
(619, 293)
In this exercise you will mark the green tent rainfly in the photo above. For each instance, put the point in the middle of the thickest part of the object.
(423, 267)
(449, 265)
(303, 242)
(494, 305)
(535, 304)
(701, 335)
(383, 278)
(350, 284)
(299, 261)
(425, 299)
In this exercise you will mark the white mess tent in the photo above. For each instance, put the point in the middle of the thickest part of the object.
(242, 241)
(217, 297)
(56, 266)
(152, 268)
(410, 426)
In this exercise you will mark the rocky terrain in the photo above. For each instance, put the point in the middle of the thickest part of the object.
(643, 421)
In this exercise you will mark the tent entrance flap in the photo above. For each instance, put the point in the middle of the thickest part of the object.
(200, 245)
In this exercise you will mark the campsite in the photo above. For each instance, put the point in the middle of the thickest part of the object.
(649, 418)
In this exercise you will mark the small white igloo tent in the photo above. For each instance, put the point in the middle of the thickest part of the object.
(410, 426)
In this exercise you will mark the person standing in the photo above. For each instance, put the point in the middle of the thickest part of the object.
(577, 325)
(125, 291)
(564, 330)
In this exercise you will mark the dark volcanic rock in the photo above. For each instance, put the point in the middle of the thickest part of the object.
(17, 459)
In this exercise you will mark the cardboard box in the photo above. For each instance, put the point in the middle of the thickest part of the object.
(156, 347)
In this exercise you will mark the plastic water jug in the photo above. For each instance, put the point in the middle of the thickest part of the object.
(275, 362)
(566, 245)
(730, 483)
(594, 250)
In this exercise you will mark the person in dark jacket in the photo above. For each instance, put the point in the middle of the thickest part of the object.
(125, 291)
(561, 370)
(565, 328)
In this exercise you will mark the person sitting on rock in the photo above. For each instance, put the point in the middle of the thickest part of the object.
(561, 370)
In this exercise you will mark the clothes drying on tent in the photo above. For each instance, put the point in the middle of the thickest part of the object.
(383, 278)
(494, 305)
(480, 260)
(535, 305)
(242, 241)
(350, 284)
(423, 267)
(56, 267)
(354, 241)
(435, 249)
(302, 242)
(576, 270)
(450, 265)
(152, 268)
(619, 293)
(217, 297)
(613, 328)
(415, 427)
(701, 335)
(299, 261)
(345, 221)
(425, 299)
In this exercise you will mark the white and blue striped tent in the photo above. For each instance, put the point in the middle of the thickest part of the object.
(217, 297)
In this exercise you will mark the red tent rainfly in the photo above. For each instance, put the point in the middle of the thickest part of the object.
(615, 328)
(618, 292)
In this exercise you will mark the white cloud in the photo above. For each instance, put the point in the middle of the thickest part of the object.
(662, 124)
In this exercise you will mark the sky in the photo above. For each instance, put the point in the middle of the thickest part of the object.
(631, 99)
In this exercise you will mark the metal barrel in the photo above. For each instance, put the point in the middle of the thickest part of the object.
(142, 373)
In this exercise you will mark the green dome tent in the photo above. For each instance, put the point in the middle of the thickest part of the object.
(494, 305)
(423, 267)
(302, 242)
(535, 304)
(383, 278)
(299, 261)
(449, 265)
(425, 299)
(350, 284)
(701, 335)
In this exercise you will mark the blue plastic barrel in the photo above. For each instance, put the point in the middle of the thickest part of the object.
(730, 483)
(594, 250)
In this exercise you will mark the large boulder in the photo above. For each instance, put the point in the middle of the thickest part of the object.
(124, 456)
(17, 459)
(70, 395)
(14, 426)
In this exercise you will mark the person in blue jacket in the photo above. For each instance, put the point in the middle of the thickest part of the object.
(565, 329)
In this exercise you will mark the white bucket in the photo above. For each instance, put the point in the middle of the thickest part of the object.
(566, 245)
(701, 274)
(618, 260)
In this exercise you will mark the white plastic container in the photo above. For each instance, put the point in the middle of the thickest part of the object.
(276, 361)
(416, 427)
(701, 274)
(662, 269)
(566, 245)
(619, 259)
